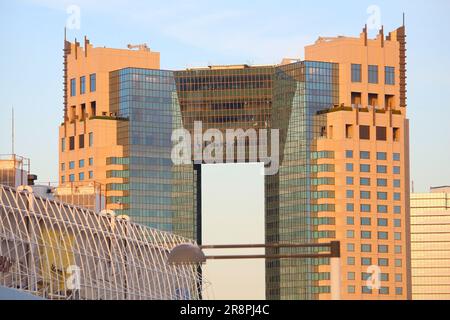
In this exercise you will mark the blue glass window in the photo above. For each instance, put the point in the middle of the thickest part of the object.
(382, 195)
(381, 169)
(382, 222)
(382, 182)
(349, 194)
(396, 156)
(349, 167)
(366, 234)
(73, 87)
(364, 168)
(373, 74)
(389, 74)
(397, 196)
(93, 82)
(81, 176)
(382, 209)
(83, 85)
(382, 235)
(365, 208)
(72, 165)
(364, 181)
(381, 156)
(396, 183)
(350, 207)
(365, 221)
(397, 209)
(356, 73)
(349, 180)
(396, 170)
(364, 155)
(349, 154)
(365, 194)
(72, 178)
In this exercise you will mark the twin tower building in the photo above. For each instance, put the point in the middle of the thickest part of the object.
(343, 170)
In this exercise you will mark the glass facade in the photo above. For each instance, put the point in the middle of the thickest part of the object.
(155, 192)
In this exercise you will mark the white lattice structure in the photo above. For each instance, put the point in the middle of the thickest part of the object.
(59, 251)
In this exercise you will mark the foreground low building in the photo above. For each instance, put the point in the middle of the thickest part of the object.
(59, 251)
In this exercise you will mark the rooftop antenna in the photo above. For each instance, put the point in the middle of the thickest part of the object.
(403, 19)
(12, 130)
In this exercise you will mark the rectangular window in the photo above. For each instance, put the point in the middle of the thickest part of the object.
(63, 179)
(364, 132)
(397, 209)
(381, 169)
(364, 168)
(397, 235)
(398, 249)
(382, 235)
(373, 74)
(356, 72)
(93, 82)
(366, 248)
(389, 75)
(397, 196)
(351, 261)
(366, 290)
(349, 194)
(396, 134)
(382, 195)
(349, 167)
(366, 234)
(350, 275)
(381, 156)
(72, 178)
(364, 181)
(91, 139)
(398, 291)
(63, 166)
(397, 223)
(396, 156)
(382, 222)
(350, 234)
(91, 175)
(383, 262)
(396, 183)
(71, 143)
(382, 182)
(81, 176)
(365, 221)
(396, 170)
(364, 155)
(81, 163)
(63, 144)
(350, 207)
(398, 263)
(366, 261)
(365, 207)
(351, 289)
(349, 154)
(398, 277)
(349, 180)
(350, 221)
(350, 247)
(73, 87)
(91, 161)
(382, 248)
(83, 85)
(72, 165)
(365, 194)
(382, 209)
(384, 290)
(81, 141)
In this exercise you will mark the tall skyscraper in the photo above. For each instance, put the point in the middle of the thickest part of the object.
(430, 244)
(344, 151)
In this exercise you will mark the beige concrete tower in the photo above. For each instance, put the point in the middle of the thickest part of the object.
(88, 133)
(368, 135)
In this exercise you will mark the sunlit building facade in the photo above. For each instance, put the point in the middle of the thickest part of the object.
(344, 152)
(430, 244)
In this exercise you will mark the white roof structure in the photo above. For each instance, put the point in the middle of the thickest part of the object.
(55, 250)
